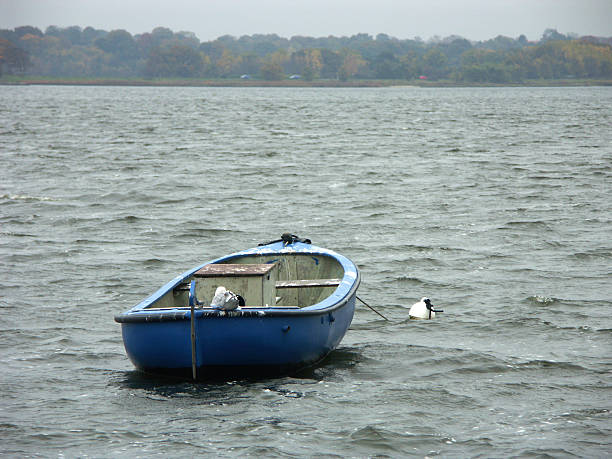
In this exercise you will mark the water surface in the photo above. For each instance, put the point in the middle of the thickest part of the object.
(493, 202)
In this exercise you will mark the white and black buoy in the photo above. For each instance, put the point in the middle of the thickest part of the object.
(423, 310)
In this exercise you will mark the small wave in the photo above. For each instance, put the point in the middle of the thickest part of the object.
(154, 262)
(338, 185)
(427, 261)
(374, 183)
(7, 427)
(541, 300)
(591, 254)
(410, 280)
(127, 219)
(198, 232)
(366, 206)
(569, 325)
(376, 438)
(172, 201)
(452, 249)
(543, 452)
(376, 215)
(465, 363)
(418, 248)
(13, 234)
(587, 413)
(24, 197)
(525, 224)
(549, 364)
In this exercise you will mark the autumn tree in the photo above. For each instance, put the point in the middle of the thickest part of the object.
(174, 60)
(387, 65)
(434, 64)
(227, 63)
(271, 71)
(12, 59)
(330, 63)
(249, 64)
(273, 64)
(307, 62)
(351, 64)
(119, 43)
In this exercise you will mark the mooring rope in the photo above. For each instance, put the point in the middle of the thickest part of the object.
(371, 308)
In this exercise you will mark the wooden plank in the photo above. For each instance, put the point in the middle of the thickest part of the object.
(234, 270)
(308, 283)
(184, 287)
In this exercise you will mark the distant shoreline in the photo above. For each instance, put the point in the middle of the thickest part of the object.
(30, 81)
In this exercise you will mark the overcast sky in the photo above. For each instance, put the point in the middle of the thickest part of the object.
(209, 19)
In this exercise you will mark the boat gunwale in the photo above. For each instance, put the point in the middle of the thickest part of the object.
(341, 295)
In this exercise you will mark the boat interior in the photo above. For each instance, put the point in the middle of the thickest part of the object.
(293, 280)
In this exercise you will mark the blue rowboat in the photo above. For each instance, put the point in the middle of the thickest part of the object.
(298, 301)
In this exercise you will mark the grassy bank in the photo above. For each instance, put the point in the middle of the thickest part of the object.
(229, 82)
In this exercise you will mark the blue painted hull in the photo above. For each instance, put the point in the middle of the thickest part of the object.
(262, 344)
(253, 340)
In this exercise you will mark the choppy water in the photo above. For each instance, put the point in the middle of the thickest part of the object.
(496, 203)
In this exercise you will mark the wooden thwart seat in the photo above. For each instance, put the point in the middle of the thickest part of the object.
(308, 283)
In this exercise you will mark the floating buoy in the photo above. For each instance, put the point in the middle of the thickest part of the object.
(423, 310)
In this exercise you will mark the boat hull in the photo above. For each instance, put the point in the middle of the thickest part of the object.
(253, 340)
(254, 343)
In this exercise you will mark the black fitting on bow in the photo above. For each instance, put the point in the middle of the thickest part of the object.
(288, 238)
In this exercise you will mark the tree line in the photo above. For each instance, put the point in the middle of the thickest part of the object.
(91, 53)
